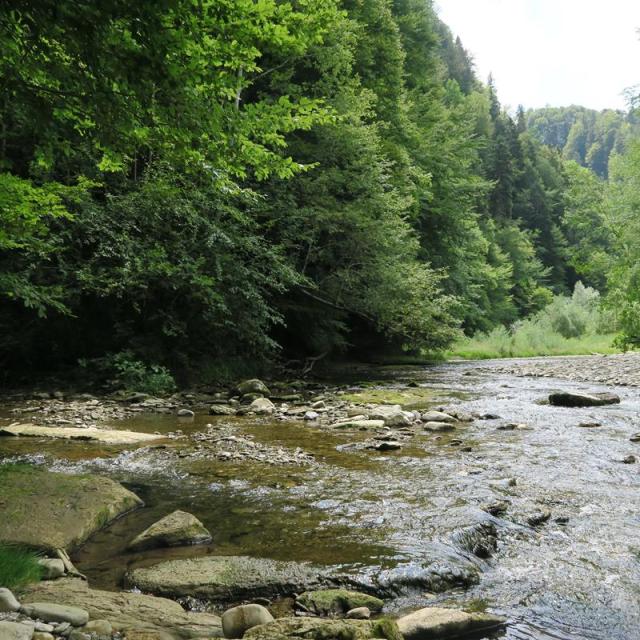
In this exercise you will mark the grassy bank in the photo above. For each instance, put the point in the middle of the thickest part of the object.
(500, 343)
(18, 567)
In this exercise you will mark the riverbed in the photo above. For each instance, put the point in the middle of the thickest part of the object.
(311, 493)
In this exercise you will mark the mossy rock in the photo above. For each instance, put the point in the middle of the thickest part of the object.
(322, 629)
(45, 510)
(226, 578)
(408, 399)
(338, 601)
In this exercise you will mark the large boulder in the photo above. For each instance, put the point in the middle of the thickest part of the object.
(134, 614)
(323, 629)
(69, 508)
(337, 601)
(252, 386)
(436, 623)
(177, 529)
(225, 578)
(239, 619)
(574, 399)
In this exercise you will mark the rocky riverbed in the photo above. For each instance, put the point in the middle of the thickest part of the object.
(457, 486)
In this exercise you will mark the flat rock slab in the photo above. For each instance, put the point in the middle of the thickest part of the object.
(226, 578)
(570, 399)
(49, 511)
(436, 623)
(51, 612)
(176, 529)
(137, 614)
(90, 434)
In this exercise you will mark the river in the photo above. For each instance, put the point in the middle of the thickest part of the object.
(372, 513)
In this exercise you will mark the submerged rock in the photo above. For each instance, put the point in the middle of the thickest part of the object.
(337, 601)
(446, 571)
(574, 399)
(479, 539)
(238, 620)
(69, 508)
(226, 578)
(539, 517)
(359, 424)
(436, 623)
(177, 529)
(130, 613)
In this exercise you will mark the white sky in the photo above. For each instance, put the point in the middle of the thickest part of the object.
(551, 52)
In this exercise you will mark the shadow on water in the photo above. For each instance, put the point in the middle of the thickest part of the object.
(575, 577)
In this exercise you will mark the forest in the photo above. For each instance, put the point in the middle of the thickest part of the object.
(201, 189)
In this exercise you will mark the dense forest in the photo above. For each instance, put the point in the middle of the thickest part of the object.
(206, 187)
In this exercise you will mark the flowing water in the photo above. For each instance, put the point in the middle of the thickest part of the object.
(575, 577)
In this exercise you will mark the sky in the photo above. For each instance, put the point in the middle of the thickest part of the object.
(551, 52)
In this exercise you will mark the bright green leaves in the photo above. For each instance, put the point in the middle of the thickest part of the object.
(26, 210)
(125, 84)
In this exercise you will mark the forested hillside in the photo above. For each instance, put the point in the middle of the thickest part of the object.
(586, 136)
(211, 186)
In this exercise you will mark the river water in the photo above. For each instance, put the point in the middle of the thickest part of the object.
(372, 513)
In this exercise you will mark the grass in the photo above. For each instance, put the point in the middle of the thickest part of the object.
(500, 344)
(18, 567)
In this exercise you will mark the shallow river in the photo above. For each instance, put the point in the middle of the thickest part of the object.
(368, 511)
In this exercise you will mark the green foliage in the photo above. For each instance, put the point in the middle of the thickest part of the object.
(623, 217)
(135, 375)
(207, 186)
(583, 135)
(18, 567)
(566, 326)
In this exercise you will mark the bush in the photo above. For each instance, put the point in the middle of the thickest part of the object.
(18, 567)
(567, 326)
(123, 371)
